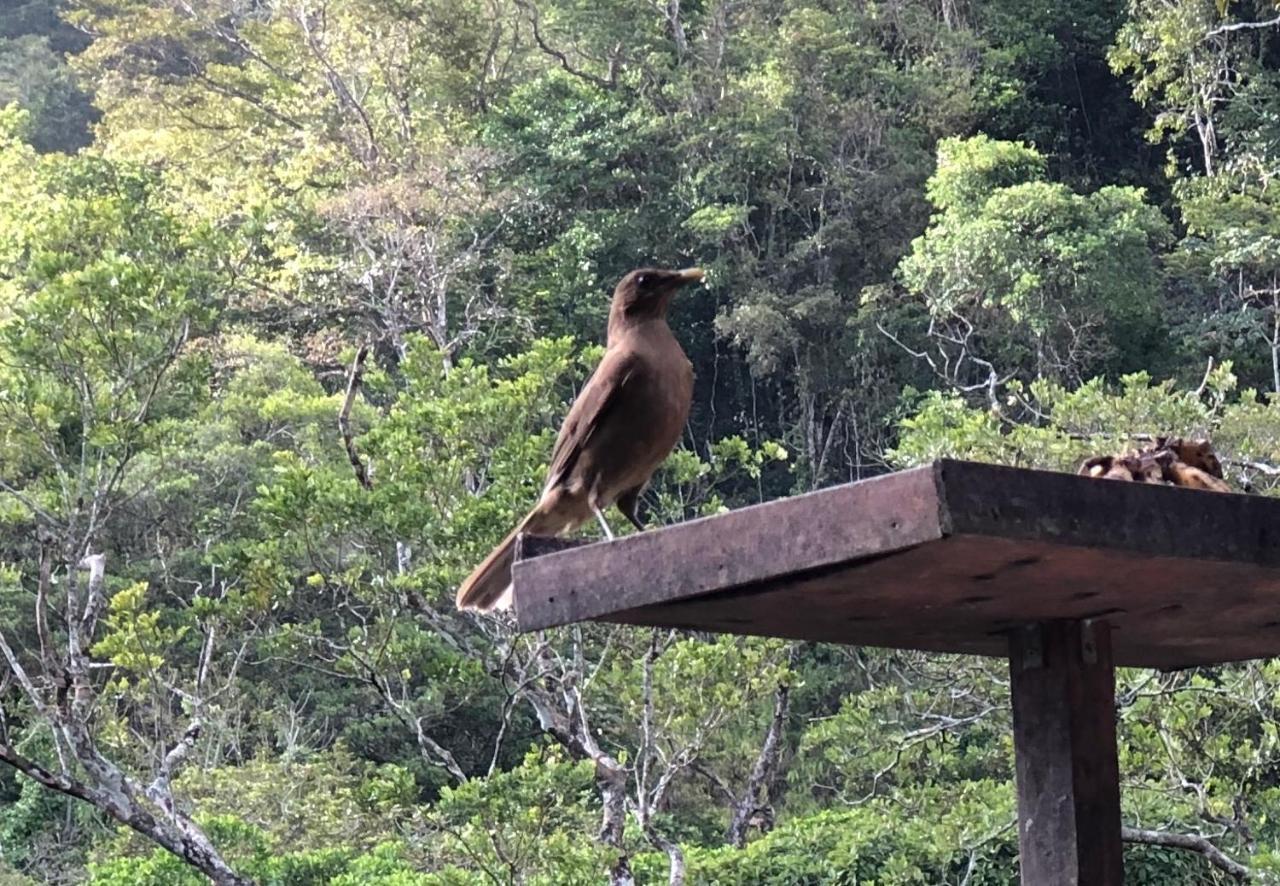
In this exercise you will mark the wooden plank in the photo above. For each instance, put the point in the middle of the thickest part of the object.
(945, 558)
(964, 593)
(1063, 689)
(1015, 503)
(802, 534)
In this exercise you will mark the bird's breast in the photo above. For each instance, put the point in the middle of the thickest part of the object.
(647, 424)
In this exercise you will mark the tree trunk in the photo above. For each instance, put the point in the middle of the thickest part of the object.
(1208, 140)
(675, 856)
(570, 728)
(678, 35)
(66, 712)
(114, 796)
(611, 779)
(766, 767)
(1275, 337)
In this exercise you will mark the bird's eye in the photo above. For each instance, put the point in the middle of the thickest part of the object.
(642, 280)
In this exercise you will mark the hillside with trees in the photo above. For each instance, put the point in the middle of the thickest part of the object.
(1018, 231)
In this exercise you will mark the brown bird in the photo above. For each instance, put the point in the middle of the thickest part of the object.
(623, 425)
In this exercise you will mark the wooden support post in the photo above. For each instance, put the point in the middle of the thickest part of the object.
(1063, 687)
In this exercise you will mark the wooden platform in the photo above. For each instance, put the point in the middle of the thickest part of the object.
(948, 557)
(1066, 576)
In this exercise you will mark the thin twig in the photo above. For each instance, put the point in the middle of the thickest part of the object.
(1204, 382)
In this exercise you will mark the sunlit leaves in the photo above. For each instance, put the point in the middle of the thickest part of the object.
(1061, 427)
(136, 640)
(1029, 276)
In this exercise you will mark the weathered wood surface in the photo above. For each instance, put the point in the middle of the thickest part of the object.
(1062, 683)
(947, 557)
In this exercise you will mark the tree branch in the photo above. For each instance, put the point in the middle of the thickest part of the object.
(559, 56)
(95, 595)
(105, 785)
(1190, 842)
(442, 753)
(1242, 26)
(42, 602)
(63, 784)
(354, 380)
(339, 86)
(765, 767)
(158, 791)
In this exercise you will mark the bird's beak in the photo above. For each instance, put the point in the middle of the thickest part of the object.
(689, 275)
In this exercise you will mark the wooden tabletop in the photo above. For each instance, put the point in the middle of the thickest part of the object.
(947, 557)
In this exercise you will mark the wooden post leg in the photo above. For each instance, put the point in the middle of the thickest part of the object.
(1064, 734)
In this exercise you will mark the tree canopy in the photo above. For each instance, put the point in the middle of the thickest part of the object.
(1018, 231)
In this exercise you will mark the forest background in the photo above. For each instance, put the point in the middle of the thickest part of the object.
(1012, 230)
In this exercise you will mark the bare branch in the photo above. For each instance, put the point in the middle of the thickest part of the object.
(158, 791)
(766, 765)
(560, 56)
(674, 22)
(565, 720)
(27, 503)
(1261, 467)
(102, 783)
(339, 86)
(1190, 842)
(354, 380)
(63, 784)
(95, 595)
(1242, 26)
(166, 361)
(442, 753)
(115, 795)
(1204, 382)
(24, 679)
(42, 601)
(675, 855)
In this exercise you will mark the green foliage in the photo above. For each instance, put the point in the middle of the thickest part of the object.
(1032, 276)
(872, 844)
(529, 820)
(99, 286)
(34, 43)
(324, 801)
(1072, 424)
(930, 229)
(971, 170)
(134, 637)
(384, 865)
(1178, 67)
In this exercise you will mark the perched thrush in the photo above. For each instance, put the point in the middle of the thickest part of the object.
(624, 424)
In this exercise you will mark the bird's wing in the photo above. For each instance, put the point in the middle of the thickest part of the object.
(599, 397)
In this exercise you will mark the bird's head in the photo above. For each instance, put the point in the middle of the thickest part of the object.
(645, 293)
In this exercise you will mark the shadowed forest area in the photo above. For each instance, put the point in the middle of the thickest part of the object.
(1019, 231)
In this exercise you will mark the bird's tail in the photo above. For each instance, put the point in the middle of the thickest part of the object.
(489, 584)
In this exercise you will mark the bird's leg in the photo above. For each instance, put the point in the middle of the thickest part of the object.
(603, 525)
(629, 505)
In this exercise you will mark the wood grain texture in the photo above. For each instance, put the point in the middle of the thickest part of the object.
(1062, 684)
(796, 535)
(946, 558)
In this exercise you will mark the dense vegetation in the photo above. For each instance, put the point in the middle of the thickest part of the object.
(1016, 230)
